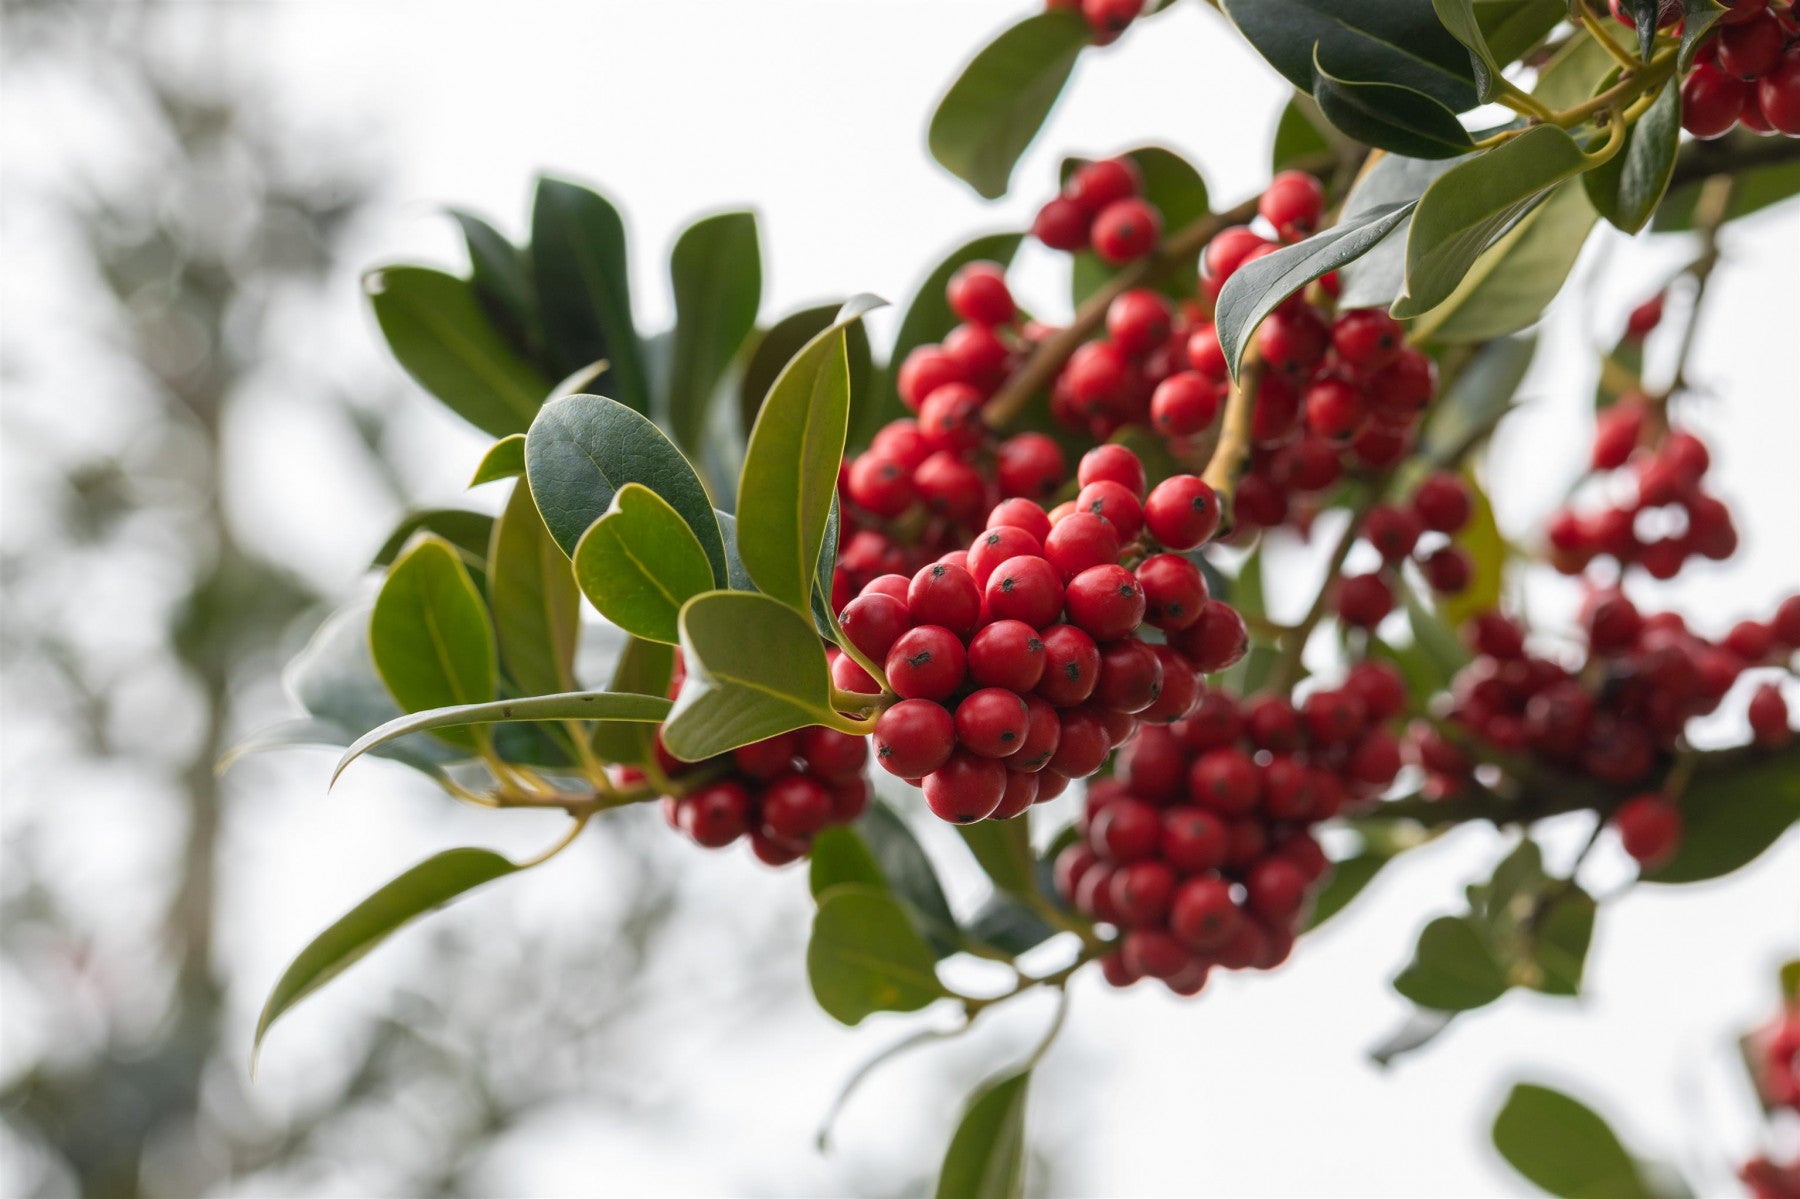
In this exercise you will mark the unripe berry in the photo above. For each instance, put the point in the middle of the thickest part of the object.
(977, 293)
(1650, 828)
(1182, 512)
(1071, 665)
(1106, 602)
(966, 788)
(925, 663)
(1126, 229)
(1027, 589)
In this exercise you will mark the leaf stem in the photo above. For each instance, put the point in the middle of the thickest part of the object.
(1522, 101)
(1234, 428)
(1598, 32)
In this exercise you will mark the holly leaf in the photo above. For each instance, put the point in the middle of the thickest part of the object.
(1733, 810)
(579, 267)
(716, 272)
(1561, 1146)
(1453, 969)
(537, 609)
(643, 668)
(866, 957)
(639, 563)
(986, 1158)
(1390, 116)
(1396, 42)
(1627, 187)
(429, 634)
(505, 459)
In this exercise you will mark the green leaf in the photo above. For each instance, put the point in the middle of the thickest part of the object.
(1003, 848)
(1753, 191)
(839, 856)
(791, 467)
(1496, 32)
(1698, 18)
(640, 562)
(1009, 926)
(1298, 135)
(928, 318)
(505, 459)
(784, 339)
(643, 668)
(1399, 42)
(755, 668)
(1573, 72)
(998, 103)
(573, 705)
(1436, 641)
(501, 274)
(1732, 811)
(1346, 881)
(1561, 943)
(1513, 282)
(430, 636)
(432, 883)
(579, 265)
(1176, 189)
(1483, 392)
(1627, 187)
(537, 609)
(865, 956)
(437, 330)
(1392, 117)
(1375, 279)
(470, 532)
(1790, 980)
(1562, 1147)
(1488, 552)
(582, 449)
(986, 1158)
(716, 271)
(1453, 969)
(1256, 288)
(909, 873)
(1463, 213)
(738, 578)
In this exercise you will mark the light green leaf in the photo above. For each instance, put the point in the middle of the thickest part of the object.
(437, 330)
(1375, 279)
(986, 1158)
(778, 345)
(1487, 551)
(996, 106)
(1628, 186)
(640, 562)
(755, 668)
(1561, 943)
(716, 271)
(1299, 134)
(432, 883)
(579, 266)
(470, 532)
(791, 467)
(430, 636)
(574, 705)
(504, 459)
(1562, 1147)
(1453, 969)
(582, 449)
(537, 609)
(865, 956)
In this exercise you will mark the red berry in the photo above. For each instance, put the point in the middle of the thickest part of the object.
(1752, 48)
(950, 417)
(900, 441)
(1152, 765)
(1071, 665)
(1097, 377)
(1275, 888)
(1083, 744)
(991, 722)
(995, 546)
(1184, 404)
(1332, 717)
(1043, 733)
(978, 294)
(1006, 653)
(1393, 531)
(1114, 504)
(1644, 318)
(1778, 94)
(1153, 953)
(1366, 339)
(1094, 185)
(832, 755)
(717, 814)
(1182, 512)
(1272, 723)
(1363, 601)
(1192, 840)
(1112, 464)
(1026, 588)
(1138, 321)
(879, 485)
(1442, 501)
(1616, 433)
(1106, 602)
(1224, 781)
(1769, 717)
(1126, 229)
(1080, 541)
(1227, 251)
(1141, 892)
(1021, 792)
(1650, 828)
(1203, 915)
(1335, 409)
(795, 807)
(981, 353)
(1786, 624)
(775, 851)
(1130, 676)
(1062, 224)
(1292, 203)
(1449, 570)
(966, 788)
(1292, 341)
(925, 370)
(1376, 759)
(1402, 389)
(946, 595)
(925, 663)
(768, 758)
(1380, 689)
(949, 486)
(1030, 465)
(1206, 355)
(1711, 101)
(1173, 590)
(873, 622)
(1216, 640)
(848, 675)
(1019, 513)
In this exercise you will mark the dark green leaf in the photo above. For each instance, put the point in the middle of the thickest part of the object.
(1256, 288)
(582, 449)
(1375, 279)
(783, 340)
(469, 532)
(996, 106)
(579, 265)
(737, 577)
(1562, 1147)
(790, 470)
(430, 636)
(1469, 207)
(537, 609)
(908, 872)
(574, 705)
(755, 668)
(1298, 135)
(1003, 848)
(1698, 18)
(1627, 187)
(986, 1158)
(1733, 810)
(501, 274)
(432, 883)
(639, 563)
(1009, 926)
(716, 272)
(643, 668)
(1389, 116)
(1453, 969)
(865, 956)
(437, 330)
(1496, 32)
(503, 460)
(1435, 641)
(839, 855)
(1397, 42)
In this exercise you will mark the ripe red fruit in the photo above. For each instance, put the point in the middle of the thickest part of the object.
(1138, 322)
(715, 815)
(879, 485)
(925, 663)
(981, 352)
(1380, 689)
(1292, 203)
(768, 758)
(991, 722)
(1083, 744)
(1080, 541)
(1443, 502)
(1333, 717)
(1173, 590)
(1711, 101)
(1192, 840)
(944, 594)
(1043, 733)
(1292, 341)
(1616, 433)
(949, 486)
(1778, 94)
(1153, 953)
(1376, 759)
(873, 622)
(1071, 665)
(1275, 888)
(925, 370)
(1097, 377)
(1130, 676)
(1112, 464)
(832, 755)
(914, 738)
(1126, 229)
(1182, 512)
(1026, 588)
(1225, 781)
(1366, 339)
(1106, 601)
(1006, 653)
(1126, 830)
(1020, 513)
(895, 586)
(1393, 531)
(1335, 408)
(1206, 355)
(1021, 792)
(1184, 404)
(1030, 465)
(1203, 915)
(1449, 570)
(1650, 828)
(1114, 504)
(775, 851)
(1769, 717)
(1750, 49)
(1401, 389)
(1786, 623)
(1216, 640)
(1227, 251)
(1094, 185)
(977, 293)
(950, 417)
(848, 675)
(1363, 601)
(966, 788)
(1062, 224)
(795, 807)
(997, 544)
(1141, 892)
(1152, 765)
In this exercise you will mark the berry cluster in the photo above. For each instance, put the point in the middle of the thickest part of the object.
(779, 793)
(1018, 662)
(1199, 848)
(1440, 504)
(1618, 717)
(1666, 517)
(1748, 73)
(1102, 208)
(924, 482)
(1107, 18)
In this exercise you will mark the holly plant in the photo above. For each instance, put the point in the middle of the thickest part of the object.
(998, 561)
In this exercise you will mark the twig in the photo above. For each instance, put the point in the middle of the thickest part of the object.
(1234, 429)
